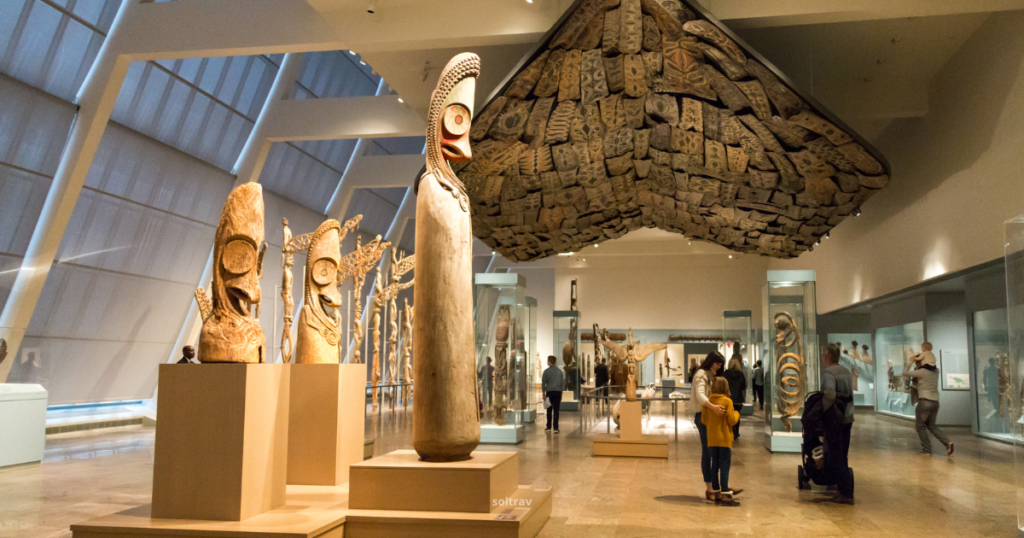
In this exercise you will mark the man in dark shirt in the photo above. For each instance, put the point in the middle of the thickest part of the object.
(600, 374)
(838, 389)
(486, 375)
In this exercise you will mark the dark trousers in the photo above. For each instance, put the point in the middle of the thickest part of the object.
(837, 443)
(488, 394)
(926, 413)
(721, 461)
(555, 398)
(759, 394)
(736, 429)
(705, 453)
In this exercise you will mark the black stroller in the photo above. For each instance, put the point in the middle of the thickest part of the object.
(817, 466)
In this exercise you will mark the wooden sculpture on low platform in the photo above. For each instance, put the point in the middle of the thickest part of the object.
(790, 367)
(407, 355)
(446, 420)
(378, 304)
(632, 353)
(287, 262)
(501, 359)
(355, 265)
(230, 332)
(319, 331)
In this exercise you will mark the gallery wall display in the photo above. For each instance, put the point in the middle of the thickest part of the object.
(895, 347)
(501, 318)
(652, 114)
(856, 353)
(992, 371)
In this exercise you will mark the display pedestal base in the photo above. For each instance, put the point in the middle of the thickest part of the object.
(221, 450)
(528, 416)
(492, 434)
(631, 442)
(795, 422)
(399, 495)
(784, 443)
(23, 421)
(747, 411)
(569, 401)
(326, 422)
(309, 511)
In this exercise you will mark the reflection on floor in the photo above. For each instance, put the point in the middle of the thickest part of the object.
(899, 493)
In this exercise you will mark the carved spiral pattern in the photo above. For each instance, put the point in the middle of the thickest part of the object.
(789, 349)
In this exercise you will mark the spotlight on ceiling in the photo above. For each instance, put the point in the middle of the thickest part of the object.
(595, 245)
(400, 100)
(856, 212)
(494, 252)
(730, 256)
(352, 52)
(372, 7)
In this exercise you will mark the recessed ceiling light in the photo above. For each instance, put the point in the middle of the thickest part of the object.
(362, 62)
(566, 253)
(730, 256)
(584, 259)
(493, 252)
(529, 1)
(400, 100)
(595, 245)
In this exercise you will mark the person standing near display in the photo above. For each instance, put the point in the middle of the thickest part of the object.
(700, 391)
(927, 376)
(552, 383)
(601, 375)
(737, 388)
(990, 382)
(758, 383)
(720, 437)
(837, 385)
(486, 375)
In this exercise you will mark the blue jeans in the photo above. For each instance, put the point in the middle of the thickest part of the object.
(705, 453)
(721, 461)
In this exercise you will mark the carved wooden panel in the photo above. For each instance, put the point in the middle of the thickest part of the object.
(648, 113)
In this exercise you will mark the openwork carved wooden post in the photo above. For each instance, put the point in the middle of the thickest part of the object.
(355, 265)
(501, 333)
(632, 353)
(400, 265)
(789, 364)
(287, 262)
(407, 355)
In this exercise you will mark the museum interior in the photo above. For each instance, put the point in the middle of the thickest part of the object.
(511, 268)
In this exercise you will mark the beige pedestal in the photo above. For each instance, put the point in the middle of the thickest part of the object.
(630, 422)
(310, 512)
(221, 441)
(400, 481)
(399, 495)
(647, 446)
(326, 422)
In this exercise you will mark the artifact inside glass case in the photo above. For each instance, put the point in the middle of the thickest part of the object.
(500, 310)
(501, 364)
(895, 346)
(231, 330)
(791, 366)
(446, 419)
(319, 330)
(566, 342)
(857, 356)
(1015, 358)
(991, 353)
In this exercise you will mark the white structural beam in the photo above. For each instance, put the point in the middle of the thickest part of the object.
(208, 28)
(96, 101)
(247, 168)
(740, 14)
(384, 171)
(343, 117)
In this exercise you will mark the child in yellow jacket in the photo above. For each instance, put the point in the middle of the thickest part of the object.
(720, 438)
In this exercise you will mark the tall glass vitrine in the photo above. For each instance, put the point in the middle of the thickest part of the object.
(1015, 324)
(789, 314)
(501, 325)
(566, 346)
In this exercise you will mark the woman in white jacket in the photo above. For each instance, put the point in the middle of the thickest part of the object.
(699, 392)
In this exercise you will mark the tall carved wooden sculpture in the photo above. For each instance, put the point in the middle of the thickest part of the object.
(789, 364)
(400, 265)
(570, 353)
(1005, 386)
(319, 332)
(501, 333)
(287, 262)
(378, 304)
(632, 353)
(230, 332)
(355, 265)
(446, 423)
(407, 355)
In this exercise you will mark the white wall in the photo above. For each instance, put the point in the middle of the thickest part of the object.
(957, 176)
(663, 292)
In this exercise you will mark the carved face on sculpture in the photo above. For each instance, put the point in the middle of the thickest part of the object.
(781, 322)
(322, 273)
(231, 333)
(456, 118)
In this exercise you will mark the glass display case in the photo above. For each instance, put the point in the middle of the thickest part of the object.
(1015, 326)
(857, 355)
(500, 325)
(737, 338)
(789, 314)
(991, 370)
(566, 347)
(894, 348)
(530, 371)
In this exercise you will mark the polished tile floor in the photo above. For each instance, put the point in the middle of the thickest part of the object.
(899, 493)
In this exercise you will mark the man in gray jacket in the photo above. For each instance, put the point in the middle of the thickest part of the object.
(553, 383)
(927, 376)
(837, 385)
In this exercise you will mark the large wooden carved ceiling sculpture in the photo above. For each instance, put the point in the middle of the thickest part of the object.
(649, 113)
